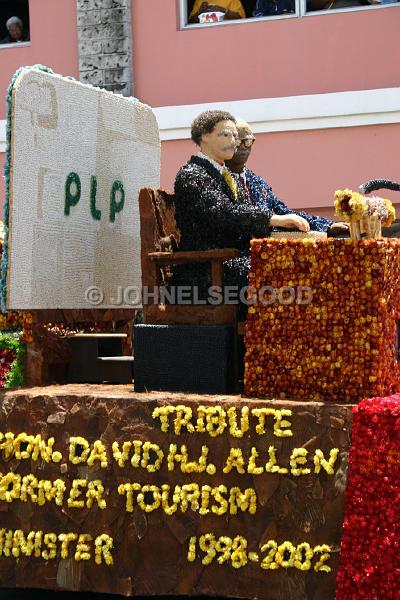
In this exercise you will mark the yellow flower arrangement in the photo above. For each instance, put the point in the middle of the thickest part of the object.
(35, 447)
(82, 548)
(191, 556)
(271, 466)
(146, 460)
(182, 419)
(244, 422)
(212, 420)
(26, 545)
(48, 491)
(349, 206)
(10, 487)
(299, 457)
(187, 466)
(211, 469)
(270, 548)
(392, 213)
(103, 545)
(163, 412)
(216, 422)
(95, 492)
(128, 489)
(246, 500)
(328, 465)
(170, 509)
(75, 493)
(285, 555)
(224, 546)
(142, 498)
(279, 423)
(16, 543)
(239, 554)
(137, 447)
(174, 456)
(235, 460)
(65, 539)
(252, 468)
(280, 555)
(98, 453)
(78, 450)
(205, 499)
(190, 496)
(50, 539)
(28, 486)
(262, 413)
(304, 554)
(325, 550)
(121, 456)
(217, 494)
(207, 544)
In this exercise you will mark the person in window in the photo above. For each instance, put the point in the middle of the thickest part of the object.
(16, 31)
(268, 8)
(232, 9)
(259, 193)
(210, 209)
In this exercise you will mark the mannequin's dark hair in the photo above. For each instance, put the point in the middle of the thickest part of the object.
(206, 121)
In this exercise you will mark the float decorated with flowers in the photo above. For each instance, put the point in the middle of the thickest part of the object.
(109, 490)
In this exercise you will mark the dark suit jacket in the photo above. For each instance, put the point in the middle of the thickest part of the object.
(209, 216)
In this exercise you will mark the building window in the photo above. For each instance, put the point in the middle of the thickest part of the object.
(265, 9)
(329, 5)
(245, 9)
(14, 21)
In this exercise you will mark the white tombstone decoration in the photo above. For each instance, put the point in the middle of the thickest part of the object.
(79, 156)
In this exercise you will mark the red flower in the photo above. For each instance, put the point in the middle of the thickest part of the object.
(369, 557)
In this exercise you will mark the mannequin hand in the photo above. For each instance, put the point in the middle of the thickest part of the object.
(290, 221)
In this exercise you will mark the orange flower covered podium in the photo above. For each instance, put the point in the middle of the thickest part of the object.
(337, 342)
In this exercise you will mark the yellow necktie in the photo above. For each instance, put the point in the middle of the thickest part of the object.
(226, 174)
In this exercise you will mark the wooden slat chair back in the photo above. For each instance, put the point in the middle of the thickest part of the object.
(160, 239)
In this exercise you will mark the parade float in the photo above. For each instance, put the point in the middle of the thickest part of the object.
(163, 491)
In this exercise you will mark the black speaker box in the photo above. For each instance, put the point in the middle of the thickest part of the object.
(185, 358)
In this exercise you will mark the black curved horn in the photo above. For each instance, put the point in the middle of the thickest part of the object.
(377, 184)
